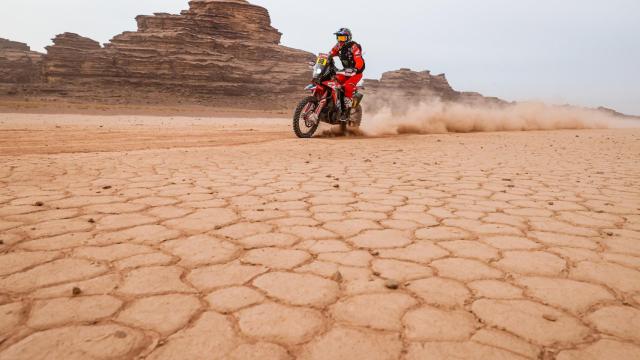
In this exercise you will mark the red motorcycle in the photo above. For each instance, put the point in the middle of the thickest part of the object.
(326, 102)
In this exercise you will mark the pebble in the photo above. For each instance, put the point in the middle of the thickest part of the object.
(76, 291)
(392, 284)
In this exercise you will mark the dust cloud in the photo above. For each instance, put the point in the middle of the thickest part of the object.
(437, 117)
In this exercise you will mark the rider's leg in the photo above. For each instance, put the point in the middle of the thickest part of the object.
(342, 80)
(351, 85)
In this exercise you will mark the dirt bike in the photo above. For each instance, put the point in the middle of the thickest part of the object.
(326, 102)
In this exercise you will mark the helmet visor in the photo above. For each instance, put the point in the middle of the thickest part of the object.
(342, 38)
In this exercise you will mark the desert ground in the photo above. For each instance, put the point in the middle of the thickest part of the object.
(185, 237)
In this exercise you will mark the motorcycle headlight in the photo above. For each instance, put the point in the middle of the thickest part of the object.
(318, 71)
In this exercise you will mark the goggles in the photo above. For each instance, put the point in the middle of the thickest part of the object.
(343, 38)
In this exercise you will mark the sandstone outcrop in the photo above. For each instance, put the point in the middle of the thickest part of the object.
(404, 86)
(215, 50)
(18, 64)
(216, 53)
(410, 84)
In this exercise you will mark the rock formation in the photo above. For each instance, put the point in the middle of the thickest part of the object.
(217, 53)
(217, 49)
(404, 86)
(612, 112)
(410, 84)
(18, 64)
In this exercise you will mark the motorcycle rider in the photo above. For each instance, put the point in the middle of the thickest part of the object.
(350, 53)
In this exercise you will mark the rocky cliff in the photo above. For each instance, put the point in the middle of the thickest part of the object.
(216, 49)
(18, 64)
(404, 86)
(409, 84)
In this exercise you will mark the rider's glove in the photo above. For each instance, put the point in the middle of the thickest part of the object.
(350, 72)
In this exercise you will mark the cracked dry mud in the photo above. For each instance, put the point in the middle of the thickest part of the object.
(478, 246)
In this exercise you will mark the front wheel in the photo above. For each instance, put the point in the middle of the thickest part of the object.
(304, 124)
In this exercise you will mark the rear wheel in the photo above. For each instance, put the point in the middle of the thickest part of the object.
(343, 128)
(353, 124)
(356, 117)
(303, 123)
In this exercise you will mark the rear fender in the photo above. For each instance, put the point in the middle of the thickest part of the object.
(357, 99)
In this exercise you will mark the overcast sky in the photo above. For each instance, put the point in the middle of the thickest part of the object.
(584, 52)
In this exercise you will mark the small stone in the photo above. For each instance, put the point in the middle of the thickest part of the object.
(550, 317)
(550, 203)
(76, 291)
(92, 221)
(336, 186)
(337, 277)
(374, 252)
(392, 284)
(1, 242)
(106, 187)
(38, 203)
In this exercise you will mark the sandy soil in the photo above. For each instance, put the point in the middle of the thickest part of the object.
(65, 106)
(65, 133)
(175, 238)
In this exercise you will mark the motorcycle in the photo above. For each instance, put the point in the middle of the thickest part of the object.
(326, 102)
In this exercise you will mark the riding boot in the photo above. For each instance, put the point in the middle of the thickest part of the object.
(346, 110)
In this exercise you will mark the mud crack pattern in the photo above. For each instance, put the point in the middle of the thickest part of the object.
(478, 246)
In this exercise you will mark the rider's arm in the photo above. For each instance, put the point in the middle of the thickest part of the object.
(335, 51)
(357, 57)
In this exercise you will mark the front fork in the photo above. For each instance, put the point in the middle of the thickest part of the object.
(312, 118)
